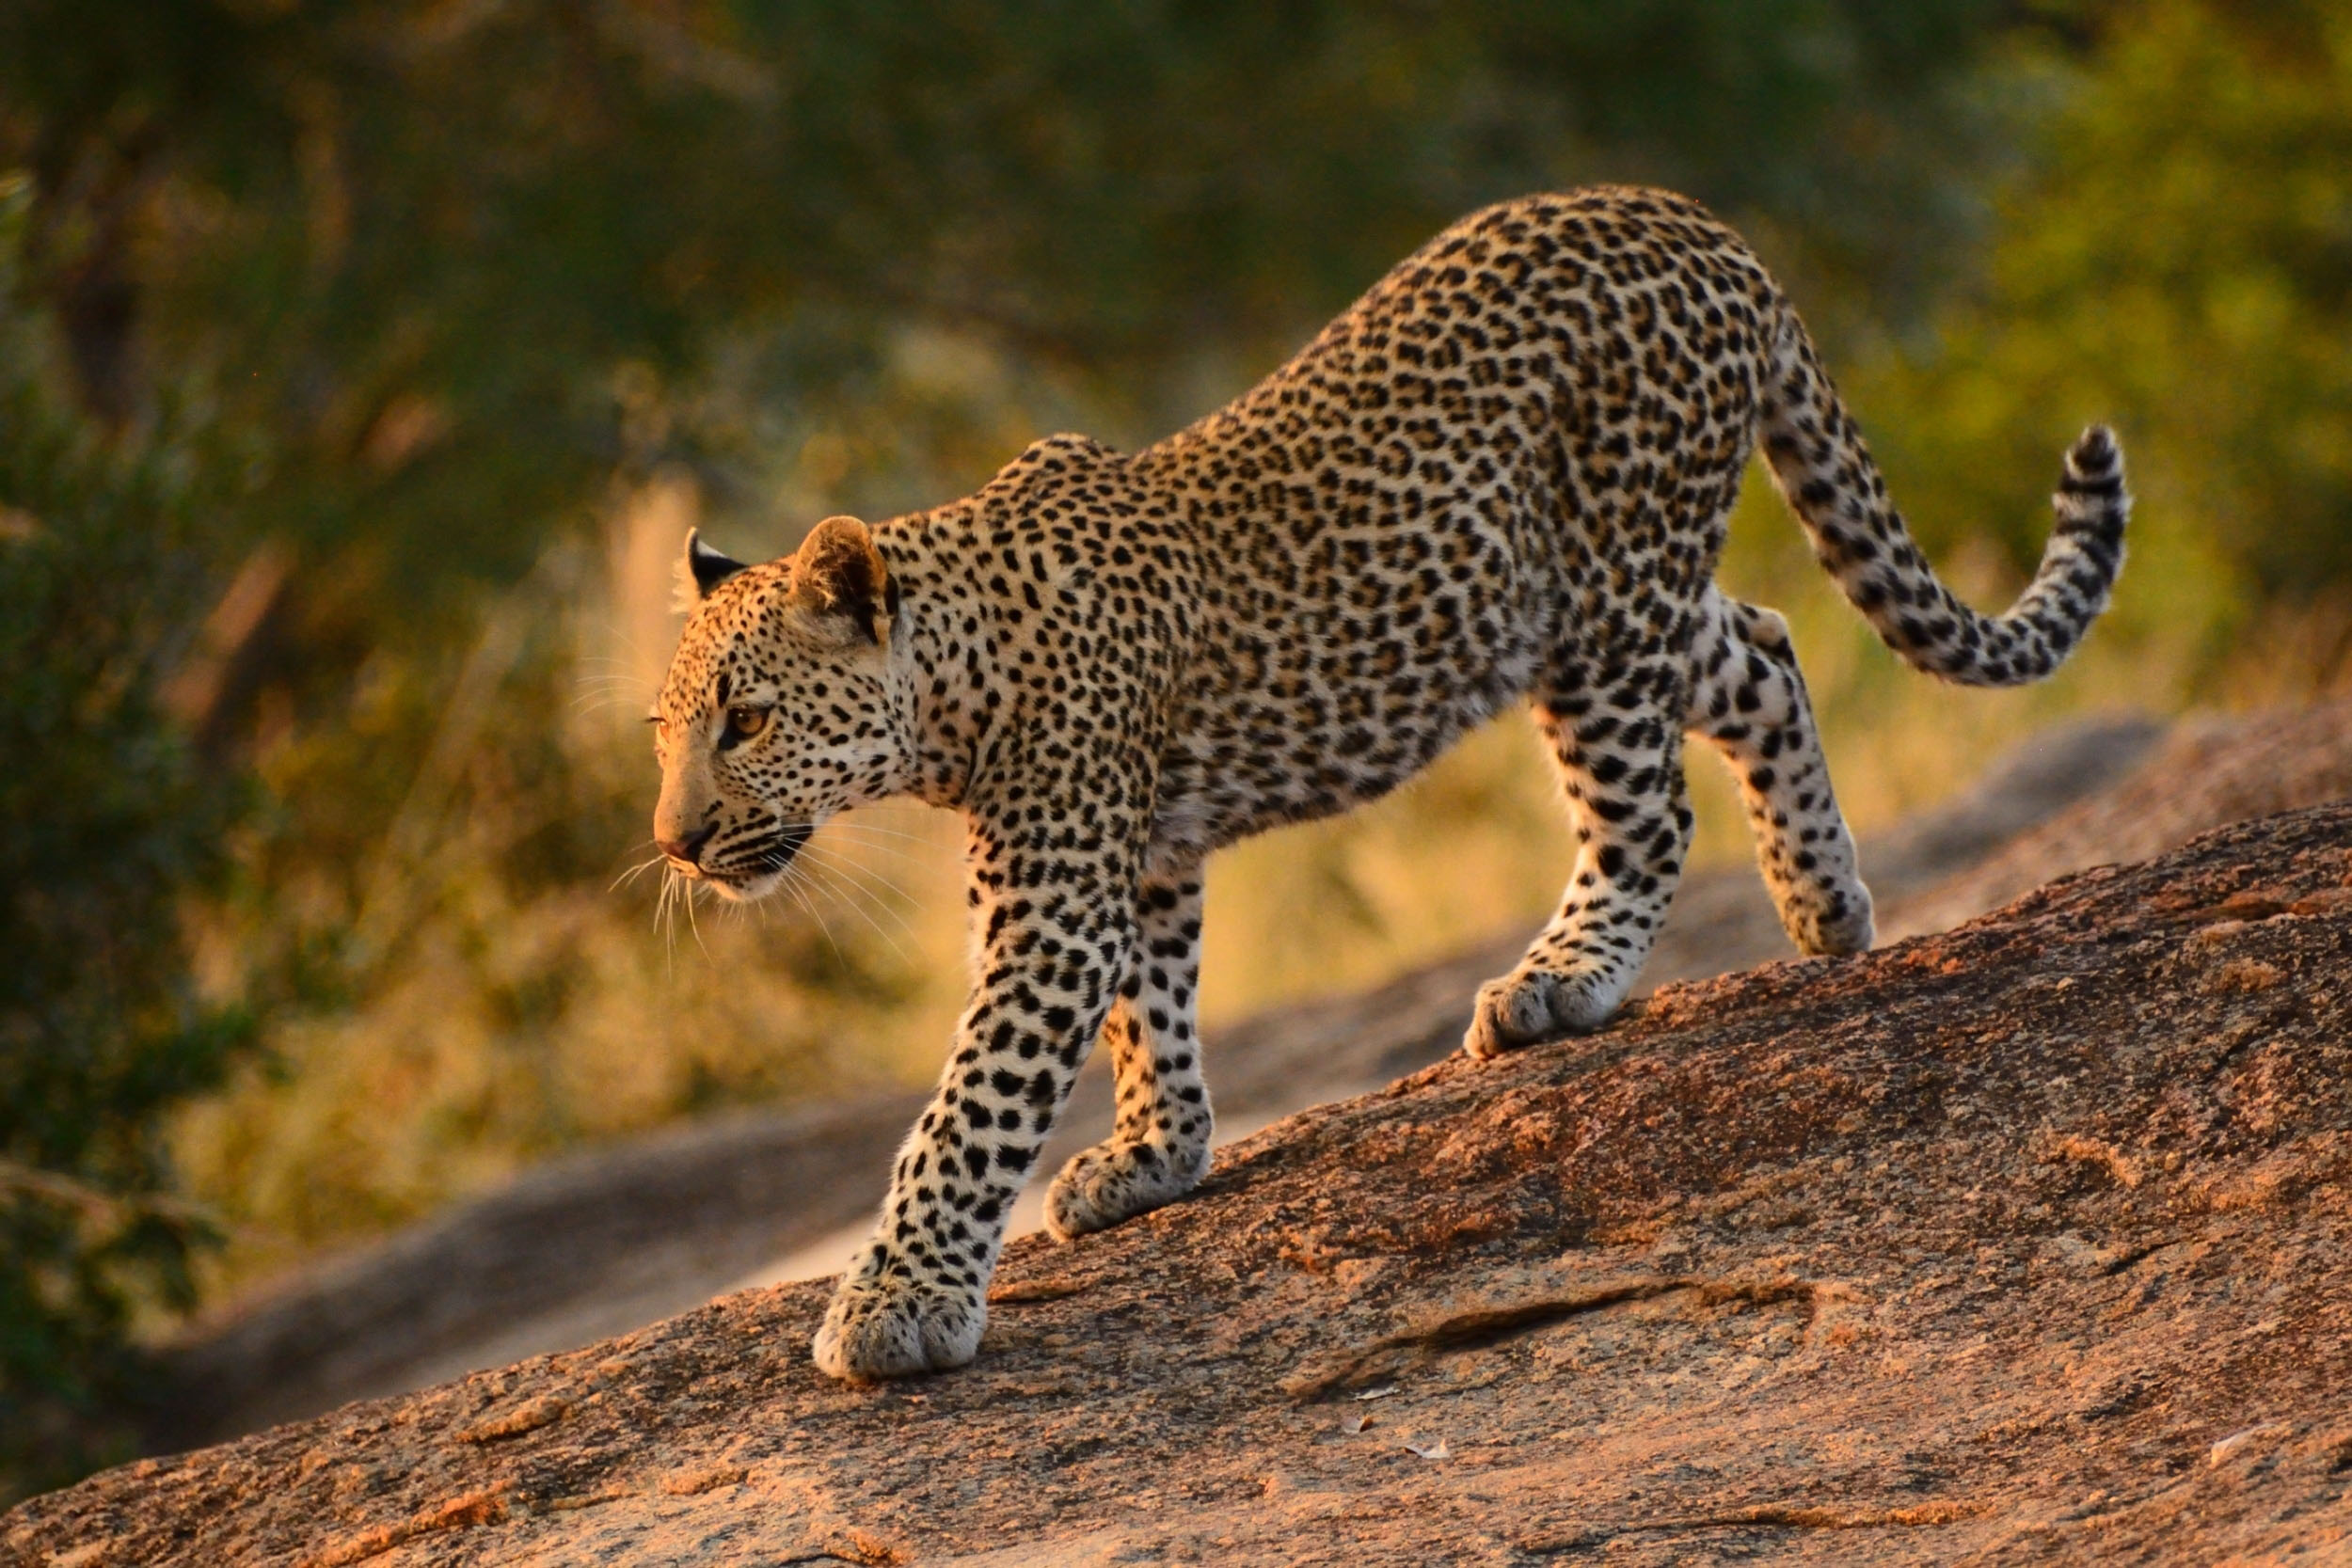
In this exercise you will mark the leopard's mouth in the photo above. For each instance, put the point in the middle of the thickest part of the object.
(756, 869)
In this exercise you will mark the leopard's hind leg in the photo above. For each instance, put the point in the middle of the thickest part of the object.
(1748, 699)
(1615, 734)
(1159, 1148)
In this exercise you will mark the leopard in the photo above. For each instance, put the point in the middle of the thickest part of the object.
(1503, 474)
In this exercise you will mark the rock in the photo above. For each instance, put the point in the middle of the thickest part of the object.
(612, 1238)
(2211, 770)
(2028, 1242)
(587, 1247)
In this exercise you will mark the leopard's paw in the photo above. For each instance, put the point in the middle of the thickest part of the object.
(1531, 1004)
(879, 1328)
(1114, 1181)
(1842, 923)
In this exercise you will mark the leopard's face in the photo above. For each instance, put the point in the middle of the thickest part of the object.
(775, 715)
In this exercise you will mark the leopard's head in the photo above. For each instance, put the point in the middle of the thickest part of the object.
(777, 711)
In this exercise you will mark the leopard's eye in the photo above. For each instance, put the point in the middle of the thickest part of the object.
(744, 722)
(660, 727)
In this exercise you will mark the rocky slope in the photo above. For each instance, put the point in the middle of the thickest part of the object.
(2025, 1242)
(615, 1239)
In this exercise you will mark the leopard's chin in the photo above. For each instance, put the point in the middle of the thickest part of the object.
(747, 889)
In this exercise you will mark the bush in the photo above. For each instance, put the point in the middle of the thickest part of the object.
(109, 821)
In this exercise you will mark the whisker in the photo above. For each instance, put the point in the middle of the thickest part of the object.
(611, 627)
(860, 899)
(857, 909)
(858, 875)
(691, 923)
(912, 859)
(603, 703)
(666, 922)
(635, 871)
(777, 858)
(792, 885)
(849, 824)
(846, 853)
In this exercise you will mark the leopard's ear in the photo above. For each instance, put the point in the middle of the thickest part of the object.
(838, 576)
(700, 570)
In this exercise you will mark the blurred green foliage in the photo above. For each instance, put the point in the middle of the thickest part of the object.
(417, 242)
(401, 318)
(2177, 257)
(111, 826)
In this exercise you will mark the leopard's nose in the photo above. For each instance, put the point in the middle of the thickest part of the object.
(688, 849)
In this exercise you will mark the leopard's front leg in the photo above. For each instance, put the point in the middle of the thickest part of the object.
(1057, 913)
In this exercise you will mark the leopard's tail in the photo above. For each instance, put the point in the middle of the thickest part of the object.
(1824, 470)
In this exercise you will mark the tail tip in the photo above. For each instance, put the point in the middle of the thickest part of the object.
(2095, 455)
(2091, 489)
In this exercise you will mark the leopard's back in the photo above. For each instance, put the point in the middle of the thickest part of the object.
(1528, 431)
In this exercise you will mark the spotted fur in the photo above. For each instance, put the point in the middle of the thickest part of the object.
(1504, 473)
